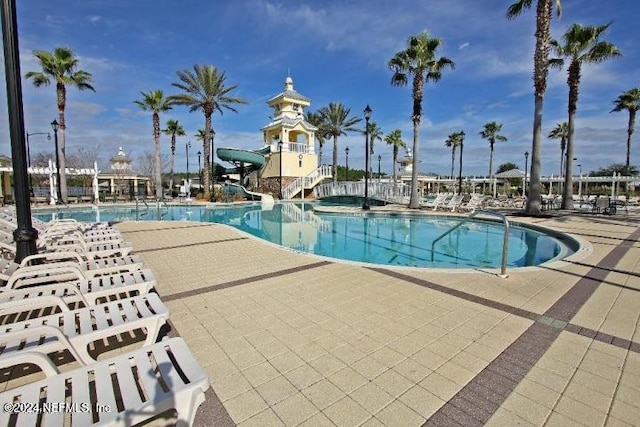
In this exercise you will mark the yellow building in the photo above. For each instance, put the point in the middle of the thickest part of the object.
(293, 157)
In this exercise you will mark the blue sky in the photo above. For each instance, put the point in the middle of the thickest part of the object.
(336, 51)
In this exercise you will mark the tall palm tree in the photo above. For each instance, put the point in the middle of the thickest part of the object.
(582, 45)
(60, 66)
(394, 138)
(544, 13)
(453, 141)
(561, 132)
(155, 101)
(336, 123)
(204, 89)
(418, 63)
(375, 134)
(315, 118)
(490, 133)
(174, 129)
(630, 101)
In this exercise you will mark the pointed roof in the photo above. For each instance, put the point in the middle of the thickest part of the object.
(289, 92)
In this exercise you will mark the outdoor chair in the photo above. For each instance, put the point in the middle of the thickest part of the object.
(437, 202)
(75, 330)
(130, 388)
(86, 292)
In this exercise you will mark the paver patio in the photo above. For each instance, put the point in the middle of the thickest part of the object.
(294, 339)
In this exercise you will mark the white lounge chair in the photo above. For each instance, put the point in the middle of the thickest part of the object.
(134, 387)
(437, 202)
(74, 330)
(88, 292)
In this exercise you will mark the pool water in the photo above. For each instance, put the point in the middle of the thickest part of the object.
(387, 239)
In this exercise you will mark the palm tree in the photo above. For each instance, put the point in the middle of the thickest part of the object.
(453, 141)
(630, 101)
(419, 63)
(174, 129)
(490, 133)
(582, 45)
(394, 138)
(315, 118)
(375, 134)
(155, 101)
(336, 123)
(204, 89)
(561, 132)
(60, 66)
(544, 13)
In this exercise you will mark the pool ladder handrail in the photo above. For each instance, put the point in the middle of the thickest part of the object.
(141, 214)
(505, 242)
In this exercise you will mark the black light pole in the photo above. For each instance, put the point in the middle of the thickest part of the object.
(379, 160)
(526, 164)
(460, 176)
(280, 165)
(55, 126)
(199, 168)
(367, 116)
(24, 235)
(29, 157)
(346, 175)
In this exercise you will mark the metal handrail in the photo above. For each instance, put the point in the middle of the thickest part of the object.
(166, 207)
(505, 242)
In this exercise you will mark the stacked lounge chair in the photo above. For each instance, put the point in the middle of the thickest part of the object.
(74, 303)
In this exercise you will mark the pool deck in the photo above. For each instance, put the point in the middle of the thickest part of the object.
(293, 339)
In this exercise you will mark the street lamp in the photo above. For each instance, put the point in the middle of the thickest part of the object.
(526, 164)
(55, 126)
(188, 186)
(29, 157)
(367, 116)
(460, 176)
(199, 168)
(379, 160)
(580, 183)
(346, 175)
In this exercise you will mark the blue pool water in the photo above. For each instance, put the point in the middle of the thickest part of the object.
(401, 240)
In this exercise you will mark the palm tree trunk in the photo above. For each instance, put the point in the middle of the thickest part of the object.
(414, 201)
(173, 159)
(206, 149)
(453, 159)
(534, 195)
(574, 84)
(493, 183)
(156, 141)
(335, 159)
(395, 160)
(632, 119)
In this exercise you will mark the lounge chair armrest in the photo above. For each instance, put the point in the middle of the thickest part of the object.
(30, 357)
(32, 304)
(53, 256)
(28, 294)
(63, 272)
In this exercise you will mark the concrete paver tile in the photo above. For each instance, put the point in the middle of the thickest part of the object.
(303, 376)
(526, 408)
(323, 393)
(538, 393)
(369, 367)
(625, 412)
(558, 420)
(318, 420)
(230, 386)
(371, 397)
(348, 353)
(579, 411)
(399, 414)
(421, 401)
(346, 412)
(429, 359)
(327, 364)
(266, 418)
(276, 390)
(260, 374)
(393, 383)
(412, 370)
(439, 385)
(286, 361)
(294, 409)
(348, 379)
(505, 418)
(456, 373)
(245, 406)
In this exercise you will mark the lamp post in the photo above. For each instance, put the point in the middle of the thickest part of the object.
(460, 175)
(29, 157)
(526, 164)
(367, 116)
(199, 168)
(379, 160)
(188, 186)
(346, 175)
(580, 183)
(55, 126)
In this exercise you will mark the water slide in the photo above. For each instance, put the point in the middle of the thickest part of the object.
(245, 161)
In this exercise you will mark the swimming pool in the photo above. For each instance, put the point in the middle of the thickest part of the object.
(387, 239)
